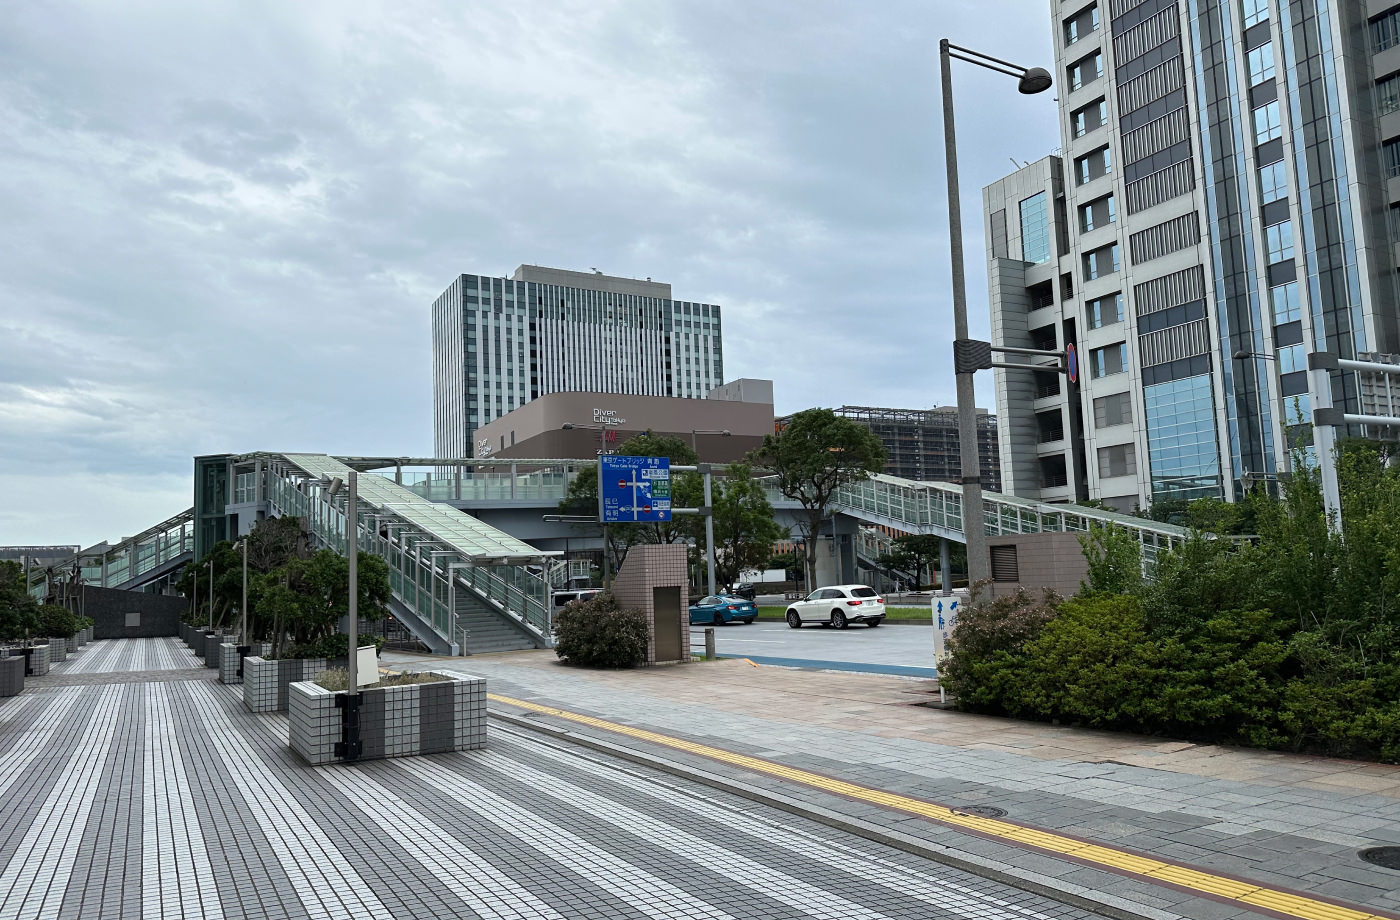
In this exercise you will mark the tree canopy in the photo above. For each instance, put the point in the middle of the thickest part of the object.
(816, 454)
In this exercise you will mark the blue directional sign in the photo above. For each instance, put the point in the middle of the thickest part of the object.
(634, 488)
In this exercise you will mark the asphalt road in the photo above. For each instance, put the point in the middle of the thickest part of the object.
(890, 649)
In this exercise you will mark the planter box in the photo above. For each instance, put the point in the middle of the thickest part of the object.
(265, 682)
(230, 662)
(208, 650)
(75, 640)
(36, 660)
(58, 650)
(394, 721)
(11, 675)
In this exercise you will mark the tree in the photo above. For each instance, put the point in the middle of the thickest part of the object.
(304, 600)
(1115, 560)
(18, 611)
(816, 454)
(744, 527)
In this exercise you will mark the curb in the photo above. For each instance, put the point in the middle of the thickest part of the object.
(1096, 902)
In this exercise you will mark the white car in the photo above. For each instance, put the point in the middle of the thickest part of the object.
(839, 605)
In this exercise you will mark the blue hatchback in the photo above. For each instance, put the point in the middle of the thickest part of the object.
(720, 609)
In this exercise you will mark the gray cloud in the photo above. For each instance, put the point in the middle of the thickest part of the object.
(226, 222)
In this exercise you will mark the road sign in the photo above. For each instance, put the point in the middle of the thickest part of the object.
(1072, 362)
(945, 617)
(635, 489)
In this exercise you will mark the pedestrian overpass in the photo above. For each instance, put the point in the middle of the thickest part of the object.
(478, 581)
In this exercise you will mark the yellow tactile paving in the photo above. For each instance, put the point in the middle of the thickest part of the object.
(1246, 894)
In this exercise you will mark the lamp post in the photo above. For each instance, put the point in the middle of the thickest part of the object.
(350, 726)
(1030, 80)
(243, 608)
(210, 564)
(709, 509)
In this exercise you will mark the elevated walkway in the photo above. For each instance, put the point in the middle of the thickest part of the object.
(133, 564)
(459, 584)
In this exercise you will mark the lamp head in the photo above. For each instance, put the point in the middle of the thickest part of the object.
(1035, 80)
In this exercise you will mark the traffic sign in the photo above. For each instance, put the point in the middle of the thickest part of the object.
(635, 489)
(1072, 362)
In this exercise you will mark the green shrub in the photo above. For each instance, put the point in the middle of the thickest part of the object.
(86, 623)
(56, 622)
(599, 633)
(985, 648)
(333, 646)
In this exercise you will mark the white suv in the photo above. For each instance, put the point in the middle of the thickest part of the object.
(839, 605)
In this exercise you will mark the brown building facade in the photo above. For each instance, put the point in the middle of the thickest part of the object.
(602, 421)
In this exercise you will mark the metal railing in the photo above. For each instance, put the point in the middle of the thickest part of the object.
(424, 571)
(121, 564)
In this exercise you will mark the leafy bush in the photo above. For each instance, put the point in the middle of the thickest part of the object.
(599, 633)
(332, 646)
(86, 623)
(56, 622)
(985, 648)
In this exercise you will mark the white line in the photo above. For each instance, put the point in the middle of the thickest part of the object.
(646, 892)
(37, 877)
(177, 879)
(28, 743)
(315, 866)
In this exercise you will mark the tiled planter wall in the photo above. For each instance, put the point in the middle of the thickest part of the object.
(38, 660)
(58, 650)
(265, 682)
(209, 650)
(394, 721)
(11, 675)
(228, 661)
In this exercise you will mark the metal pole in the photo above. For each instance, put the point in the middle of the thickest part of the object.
(352, 557)
(709, 643)
(945, 567)
(709, 533)
(211, 593)
(1324, 445)
(607, 564)
(243, 609)
(973, 527)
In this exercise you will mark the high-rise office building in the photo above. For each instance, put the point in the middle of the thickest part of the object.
(500, 342)
(1226, 200)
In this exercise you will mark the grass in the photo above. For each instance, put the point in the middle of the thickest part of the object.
(776, 614)
(338, 679)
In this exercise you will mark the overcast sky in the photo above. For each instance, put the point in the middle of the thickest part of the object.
(224, 224)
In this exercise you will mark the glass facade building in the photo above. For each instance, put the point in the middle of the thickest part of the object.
(1248, 147)
(500, 342)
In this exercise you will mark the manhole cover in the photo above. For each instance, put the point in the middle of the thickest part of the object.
(1385, 857)
(980, 811)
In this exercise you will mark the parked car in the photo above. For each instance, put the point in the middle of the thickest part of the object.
(720, 609)
(567, 597)
(840, 606)
(745, 590)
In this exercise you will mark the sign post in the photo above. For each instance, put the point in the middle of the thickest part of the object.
(945, 616)
(634, 489)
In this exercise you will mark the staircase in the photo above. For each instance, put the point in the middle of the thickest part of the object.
(481, 630)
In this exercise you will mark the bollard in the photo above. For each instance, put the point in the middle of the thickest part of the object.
(709, 643)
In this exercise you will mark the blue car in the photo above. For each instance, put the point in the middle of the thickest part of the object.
(720, 609)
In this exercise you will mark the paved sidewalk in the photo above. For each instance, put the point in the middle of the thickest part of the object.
(168, 799)
(1284, 820)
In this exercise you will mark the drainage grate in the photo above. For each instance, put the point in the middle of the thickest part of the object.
(980, 811)
(1385, 857)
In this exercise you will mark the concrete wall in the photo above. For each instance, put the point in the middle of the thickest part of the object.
(535, 430)
(158, 614)
(1043, 560)
(648, 567)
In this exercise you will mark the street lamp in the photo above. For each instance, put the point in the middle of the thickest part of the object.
(709, 504)
(210, 565)
(1029, 81)
(351, 731)
(243, 609)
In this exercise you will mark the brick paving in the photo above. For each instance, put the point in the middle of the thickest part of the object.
(1279, 819)
(165, 798)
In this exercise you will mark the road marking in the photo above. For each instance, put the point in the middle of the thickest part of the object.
(1248, 894)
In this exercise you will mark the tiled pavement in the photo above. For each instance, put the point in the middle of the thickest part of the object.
(166, 798)
(1291, 821)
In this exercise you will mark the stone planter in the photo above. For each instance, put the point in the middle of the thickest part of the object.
(11, 675)
(35, 658)
(231, 662)
(394, 721)
(58, 650)
(208, 650)
(75, 640)
(265, 682)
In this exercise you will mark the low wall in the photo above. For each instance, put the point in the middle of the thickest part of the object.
(58, 650)
(265, 681)
(229, 660)
(132, 614)
(401, 721)
(11, 676)
(1040, 560)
